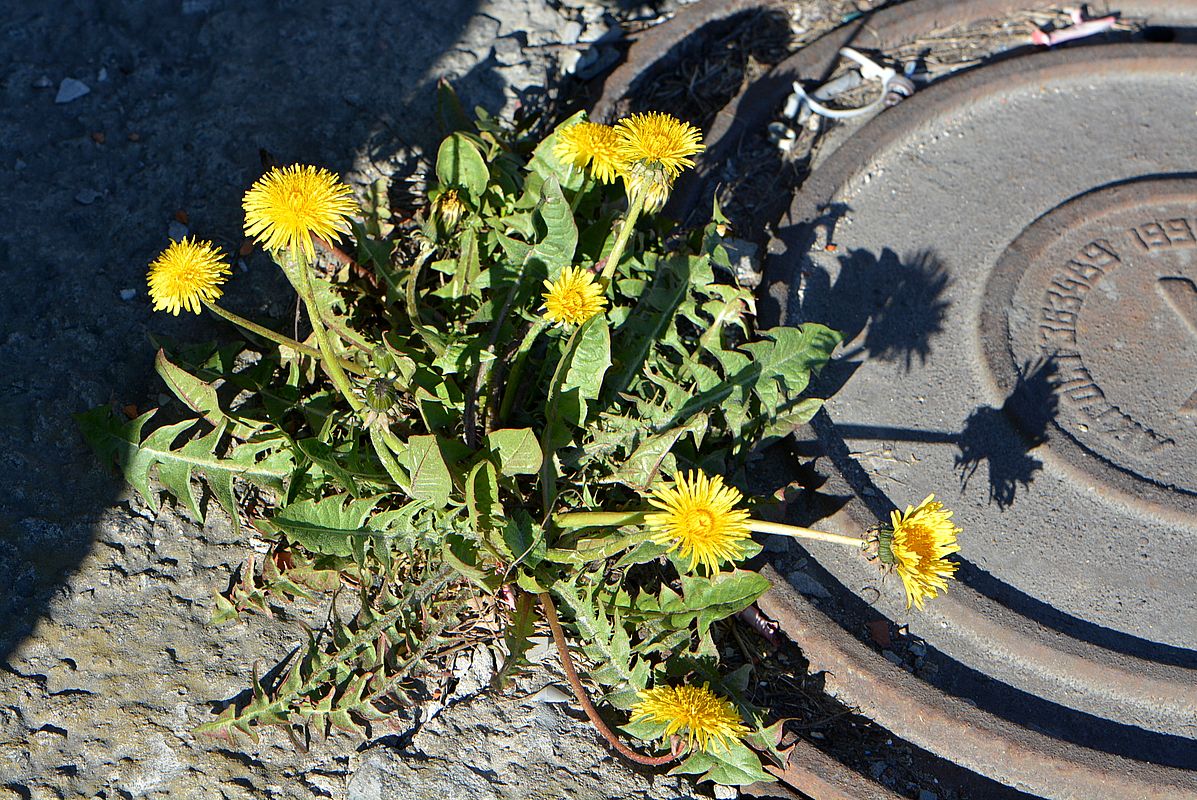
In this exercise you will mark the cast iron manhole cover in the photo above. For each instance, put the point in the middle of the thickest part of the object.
(1012, 254)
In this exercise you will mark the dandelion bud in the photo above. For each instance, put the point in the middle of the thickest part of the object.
(380, 395)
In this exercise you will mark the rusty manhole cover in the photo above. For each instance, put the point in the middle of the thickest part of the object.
(1012, 254)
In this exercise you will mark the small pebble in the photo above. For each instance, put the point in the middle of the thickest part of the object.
(43, 83)
(726, 792)
(128, 294)
(571, 32)
(176, 230)
(103, 75)
(19, 165)
(807, 585)
(87, 196)
(552, 694)
(71, 89)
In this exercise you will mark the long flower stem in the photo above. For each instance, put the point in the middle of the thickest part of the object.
(573, 206)
(512, 384)
(621, 241)
(572, 520)
(330, 361)
(277, 338)
(567, 663)
(795, 532)
(599, 519)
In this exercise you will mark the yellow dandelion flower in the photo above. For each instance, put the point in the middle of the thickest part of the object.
(588, 143)
(658, 140)
(918, 548)
(449, 208)
(699, 519)
(704, 715)
(573, 298)
(186, 274)
(287, 206)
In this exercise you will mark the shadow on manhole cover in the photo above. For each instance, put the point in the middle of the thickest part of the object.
(1012, 255)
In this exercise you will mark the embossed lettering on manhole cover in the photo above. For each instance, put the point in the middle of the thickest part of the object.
(1104, 289)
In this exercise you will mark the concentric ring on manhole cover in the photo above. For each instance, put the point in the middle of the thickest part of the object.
(934, 238)
(1101, 293)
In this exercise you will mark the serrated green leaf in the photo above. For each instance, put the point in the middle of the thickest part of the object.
(587, 365)
(790, 355)
(199, 396)
(430, 476)
(643, 466)
(722, 595)
(326, 526)
(798, 414)
(517, 636)
(515, 450)
(555, 250)
(482, 496)
(729, 763)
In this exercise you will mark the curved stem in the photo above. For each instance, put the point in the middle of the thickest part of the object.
(550, 613)
(277, 338)
(621, 241)
(330, 361)
(795, 532)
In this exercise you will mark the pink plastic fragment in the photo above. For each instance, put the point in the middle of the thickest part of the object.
(1081, 29)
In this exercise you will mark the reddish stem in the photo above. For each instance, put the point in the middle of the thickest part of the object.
(550, 613)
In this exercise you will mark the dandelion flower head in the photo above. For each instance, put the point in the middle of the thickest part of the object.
(287, 206)
(588, 143)
(699, 519)
(449, 208)
(573, 298)
(187, 273)
(923, 538)
(659, 141)
(704, 715)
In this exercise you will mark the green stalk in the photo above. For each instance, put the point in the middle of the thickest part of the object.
(573, 206)
(795, 532)
(598, 519)
(517, 368)
(330, 361)
(621, 241)
(277, 338)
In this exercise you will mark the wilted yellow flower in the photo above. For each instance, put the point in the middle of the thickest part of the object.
(287, 206)
(573, 298)
(922, 539)
(588, 143)
(448, 207)
(658, 140)
(704, 715)
(186, 274)
(699, 519)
